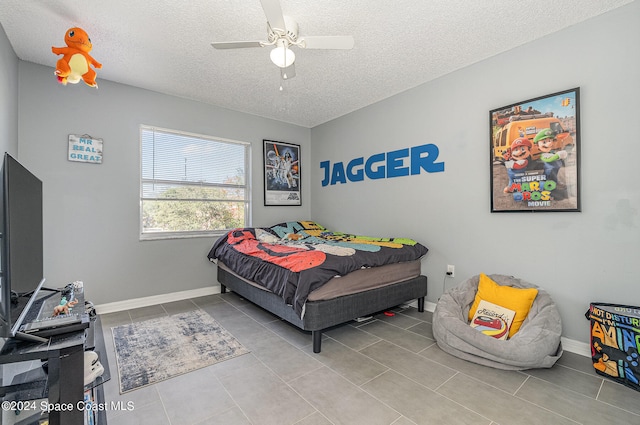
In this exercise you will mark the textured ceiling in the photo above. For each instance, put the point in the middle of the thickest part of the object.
(164, 45)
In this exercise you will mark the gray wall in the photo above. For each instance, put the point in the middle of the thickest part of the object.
(578, 257)
(91, 212)
(8, 97)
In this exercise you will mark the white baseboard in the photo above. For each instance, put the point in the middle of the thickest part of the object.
(429, 306)
(576, 347)
(156, 299)
(570, 345)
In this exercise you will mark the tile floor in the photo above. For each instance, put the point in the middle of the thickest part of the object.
(385, 371)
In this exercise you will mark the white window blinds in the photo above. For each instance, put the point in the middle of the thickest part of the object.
(192, 185)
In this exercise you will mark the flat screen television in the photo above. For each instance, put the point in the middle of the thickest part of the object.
(21, 244)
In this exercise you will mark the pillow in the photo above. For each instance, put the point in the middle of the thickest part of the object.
(305, 228)
(516, 299)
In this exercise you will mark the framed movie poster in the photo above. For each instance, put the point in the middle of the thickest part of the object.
(281, 173)
(535, 154)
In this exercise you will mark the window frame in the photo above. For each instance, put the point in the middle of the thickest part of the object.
(147, 236)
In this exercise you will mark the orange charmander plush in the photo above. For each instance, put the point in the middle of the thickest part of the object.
(74, 65)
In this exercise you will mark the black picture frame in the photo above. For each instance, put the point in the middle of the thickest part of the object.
(281, 171)
(534, 152)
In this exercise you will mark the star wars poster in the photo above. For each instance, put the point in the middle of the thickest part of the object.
(535, 146)
(281, 173)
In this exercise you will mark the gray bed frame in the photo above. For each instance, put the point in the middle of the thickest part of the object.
(320, 315)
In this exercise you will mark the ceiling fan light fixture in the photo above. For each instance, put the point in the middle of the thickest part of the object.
(282, 33)
(281, 55)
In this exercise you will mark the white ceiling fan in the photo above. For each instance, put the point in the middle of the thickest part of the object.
(282, 33)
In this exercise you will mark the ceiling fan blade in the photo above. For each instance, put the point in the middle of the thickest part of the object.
(273, 12)
(236, 44)
(288, 72)
(342, 42)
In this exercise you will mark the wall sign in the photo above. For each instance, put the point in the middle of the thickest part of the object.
(399, 163)
(85, 149)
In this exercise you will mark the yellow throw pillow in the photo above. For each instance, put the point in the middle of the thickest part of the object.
(516, 299)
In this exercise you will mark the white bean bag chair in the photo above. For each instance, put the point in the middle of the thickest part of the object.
(536, 345)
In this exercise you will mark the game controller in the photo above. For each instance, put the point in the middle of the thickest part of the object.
(67, 292)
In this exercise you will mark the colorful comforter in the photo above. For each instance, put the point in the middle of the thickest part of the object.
(293, 259)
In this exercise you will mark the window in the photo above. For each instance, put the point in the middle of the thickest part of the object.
(192, 185)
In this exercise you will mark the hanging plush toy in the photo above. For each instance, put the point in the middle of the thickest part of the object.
(75, 64)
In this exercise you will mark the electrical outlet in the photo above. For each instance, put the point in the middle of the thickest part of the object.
(451, 270)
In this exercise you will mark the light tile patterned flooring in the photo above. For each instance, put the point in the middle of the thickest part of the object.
(385, 371)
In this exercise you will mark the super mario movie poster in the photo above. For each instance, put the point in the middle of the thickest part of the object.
(535, 147)
(281, 173)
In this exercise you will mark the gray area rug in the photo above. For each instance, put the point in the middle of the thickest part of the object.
(158, 349)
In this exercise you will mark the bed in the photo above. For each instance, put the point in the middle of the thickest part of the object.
(315, 278)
